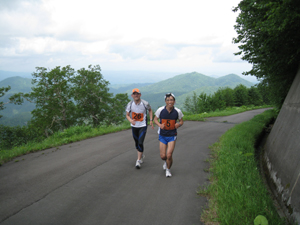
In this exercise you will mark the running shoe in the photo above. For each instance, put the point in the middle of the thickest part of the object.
(141, 160)
(137, 165)
(168, 173)
(165, 165)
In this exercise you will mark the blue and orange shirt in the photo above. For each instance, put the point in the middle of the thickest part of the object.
(169, 119)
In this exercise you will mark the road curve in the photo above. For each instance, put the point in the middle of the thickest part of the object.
(95, 181)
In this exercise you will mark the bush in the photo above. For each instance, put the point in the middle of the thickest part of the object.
(15, 136)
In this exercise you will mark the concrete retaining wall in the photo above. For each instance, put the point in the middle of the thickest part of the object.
(282, 152)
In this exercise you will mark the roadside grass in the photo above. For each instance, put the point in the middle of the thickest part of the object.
(72, 134)
(227, 112)
(237, 193)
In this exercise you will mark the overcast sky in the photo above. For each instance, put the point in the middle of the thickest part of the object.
(133, 35)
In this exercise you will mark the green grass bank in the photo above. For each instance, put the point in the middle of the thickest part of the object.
(237, 193)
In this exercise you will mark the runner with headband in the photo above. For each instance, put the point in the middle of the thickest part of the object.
(168, 124)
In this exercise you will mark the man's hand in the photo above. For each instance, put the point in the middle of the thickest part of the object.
(162, 126)
(177, 125)
(151, 124)
(132, 121)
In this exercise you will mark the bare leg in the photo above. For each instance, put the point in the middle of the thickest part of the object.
(139, 155)
(163, 151)
(170, 150)
(166, 152)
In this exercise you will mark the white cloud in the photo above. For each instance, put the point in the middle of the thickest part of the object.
(170, 35)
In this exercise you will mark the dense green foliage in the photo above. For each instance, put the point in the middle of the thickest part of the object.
(269, 38)
(15, 136)
(52, 97)
(90, 92)
(225, 112)
(223, 98)
(237, 193)
(64, 98)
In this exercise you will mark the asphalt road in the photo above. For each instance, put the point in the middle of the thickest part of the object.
(95, 181)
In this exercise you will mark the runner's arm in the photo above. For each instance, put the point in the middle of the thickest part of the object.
(177, 125)
(162, 126)
(129, 119)
(151, 118)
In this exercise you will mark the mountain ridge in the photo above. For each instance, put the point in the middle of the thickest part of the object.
(17, 84)
(189, 82)
(7, 74)
(184, 85)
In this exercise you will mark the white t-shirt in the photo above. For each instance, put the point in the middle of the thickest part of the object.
(138, 112)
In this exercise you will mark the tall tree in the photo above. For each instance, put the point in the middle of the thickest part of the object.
(241, 95)
(117, 109)
(204, 103)
(269, 38)
(52, 96)
(191, 104)
(264, 92)
(218, 101)
(255, 97)
(90, 92)
(228, 95)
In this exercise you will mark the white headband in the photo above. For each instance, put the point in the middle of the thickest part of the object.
(169, 94)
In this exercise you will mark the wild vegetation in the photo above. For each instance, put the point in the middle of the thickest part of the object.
(237, 193)
(225, 112)
(64, 98)
(227, 97)
(268, 34)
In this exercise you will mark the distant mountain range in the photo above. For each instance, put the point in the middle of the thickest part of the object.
(181, 85)
(17, 84)
(14, 115)
(8, 74)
